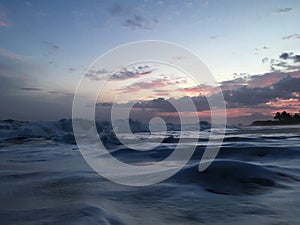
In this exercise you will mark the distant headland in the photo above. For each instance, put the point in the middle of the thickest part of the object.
(283, 118)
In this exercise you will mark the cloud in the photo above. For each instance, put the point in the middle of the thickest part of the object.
(21, 96)
(60, 92)
(269, 78)
(31, 89)
(3, 19)
(116, 9)
(97, 75)
(132, 73)
(145, 110)
(265, 60)
(51, 45)
(291, 55)
(3, 23)
(247, 98)
(291, 36)
(152, 85)
(51, 48)
(283, 10)
(10, 55)
(137, 22)
(165, 105)
(13, 72)
(213, 37)
(233, 84)
(287, 61)
(286, 104)
(123, 74)
(286, 86)
(131, 17)
(36, 104)
(72, 69)
(284, 55)
(199, 90)
(258, 96)
(277, 85)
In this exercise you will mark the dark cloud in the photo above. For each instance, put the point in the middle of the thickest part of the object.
(18, 77)
(31, 89)
(159, 104)
(9, 85)
(257, 96)
(246, 101)
(13, 75)
(291, 36)
(62, 93)
(138, 86)
(260, 48)
(50, 49)
(213, 37)
(284, 55)
(97, 75)
(248, 97)
(132, 73)
(265, 60)
(71, 69)
(291, 55)
(4, 19)
(51, 46)
(283, 10)
(287, 61)
(137, 22)
(155, 20)
(297, 58)
(286, 86)
(131, 18)
(123, 74)
(151, 85)
(266, 79)
(11, 56)
(162, 105)
(239, 81)
(116, 9)
(34, 105)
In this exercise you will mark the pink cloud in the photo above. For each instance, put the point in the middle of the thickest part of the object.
(162, 93)
(283, 104)
(139, 86)
(269, 79)
(231, 112)
(10, 55)
(257, 80)
(204, 90)
(3, 24)
(3, 19)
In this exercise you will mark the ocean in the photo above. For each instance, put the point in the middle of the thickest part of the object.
(44, 179)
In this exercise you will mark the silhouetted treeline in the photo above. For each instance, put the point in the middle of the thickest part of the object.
(285, 116)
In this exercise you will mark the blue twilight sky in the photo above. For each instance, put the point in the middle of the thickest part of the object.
(45, 45)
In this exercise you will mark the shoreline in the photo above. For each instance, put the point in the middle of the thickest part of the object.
(274, 123)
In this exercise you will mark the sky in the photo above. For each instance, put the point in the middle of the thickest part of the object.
(251, 47)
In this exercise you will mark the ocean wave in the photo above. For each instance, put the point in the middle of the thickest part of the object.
(79, 213)
(62, 130)
(229, 177)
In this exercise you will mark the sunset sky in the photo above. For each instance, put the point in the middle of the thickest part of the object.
(251, 47)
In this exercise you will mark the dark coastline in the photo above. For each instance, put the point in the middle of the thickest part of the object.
(274, 123)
